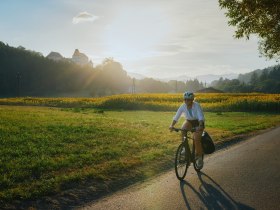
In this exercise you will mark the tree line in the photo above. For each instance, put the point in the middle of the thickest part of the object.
(264, 81)
(29, 73)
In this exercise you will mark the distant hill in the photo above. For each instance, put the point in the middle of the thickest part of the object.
(247, 76)
(182, 78)
(208, 78)
(136, 75)
(262, 80)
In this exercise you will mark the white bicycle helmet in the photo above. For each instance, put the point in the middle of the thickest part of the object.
(188, 95)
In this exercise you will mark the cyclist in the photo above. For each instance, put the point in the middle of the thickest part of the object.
(194, 119)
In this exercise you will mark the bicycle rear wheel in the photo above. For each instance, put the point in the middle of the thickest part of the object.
(182, 161)
(196, 167)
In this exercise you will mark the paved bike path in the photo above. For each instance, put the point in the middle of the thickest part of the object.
(243, 176)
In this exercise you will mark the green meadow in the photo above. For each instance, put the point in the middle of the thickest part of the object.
(45, 150)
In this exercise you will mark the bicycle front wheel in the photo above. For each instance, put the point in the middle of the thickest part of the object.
(182, 161)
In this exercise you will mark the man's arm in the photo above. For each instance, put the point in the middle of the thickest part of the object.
(201, 118)
(171, 127)
(176, 118)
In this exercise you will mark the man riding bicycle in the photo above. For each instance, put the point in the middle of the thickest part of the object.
(194, 119)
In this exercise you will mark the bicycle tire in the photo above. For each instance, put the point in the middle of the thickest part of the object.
(182, 162)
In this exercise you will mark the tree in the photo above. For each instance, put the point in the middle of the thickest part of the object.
(260, 17)
(110, 78)
(254, 78)
(149, 85)
(264, 75)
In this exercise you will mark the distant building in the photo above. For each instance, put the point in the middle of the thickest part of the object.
(90, 63)
(80, 58)
(55, 56)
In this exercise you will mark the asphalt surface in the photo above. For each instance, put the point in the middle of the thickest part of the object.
(243, 176)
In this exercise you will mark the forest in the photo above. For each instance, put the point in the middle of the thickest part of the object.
(262, 81)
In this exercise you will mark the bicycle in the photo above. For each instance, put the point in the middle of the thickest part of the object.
(184, 159)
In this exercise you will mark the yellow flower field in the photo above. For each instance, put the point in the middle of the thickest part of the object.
(218, 102)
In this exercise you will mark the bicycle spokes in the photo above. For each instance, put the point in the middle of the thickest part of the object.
(181, 161)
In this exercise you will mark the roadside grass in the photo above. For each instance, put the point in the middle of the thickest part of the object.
(45, 150)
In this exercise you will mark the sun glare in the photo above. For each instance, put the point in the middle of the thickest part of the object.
(134, 34)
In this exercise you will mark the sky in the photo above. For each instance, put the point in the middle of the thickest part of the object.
(156, 38)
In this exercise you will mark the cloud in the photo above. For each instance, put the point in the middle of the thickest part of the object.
(84, 17)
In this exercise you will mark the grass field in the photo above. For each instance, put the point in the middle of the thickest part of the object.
(45, 150)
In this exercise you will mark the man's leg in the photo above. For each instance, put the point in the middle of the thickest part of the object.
(197, 141)
(198, 149)
(186, 126)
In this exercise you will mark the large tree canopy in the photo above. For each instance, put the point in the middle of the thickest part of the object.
(260, 17)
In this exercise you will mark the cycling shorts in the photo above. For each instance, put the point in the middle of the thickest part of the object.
(194, 123)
